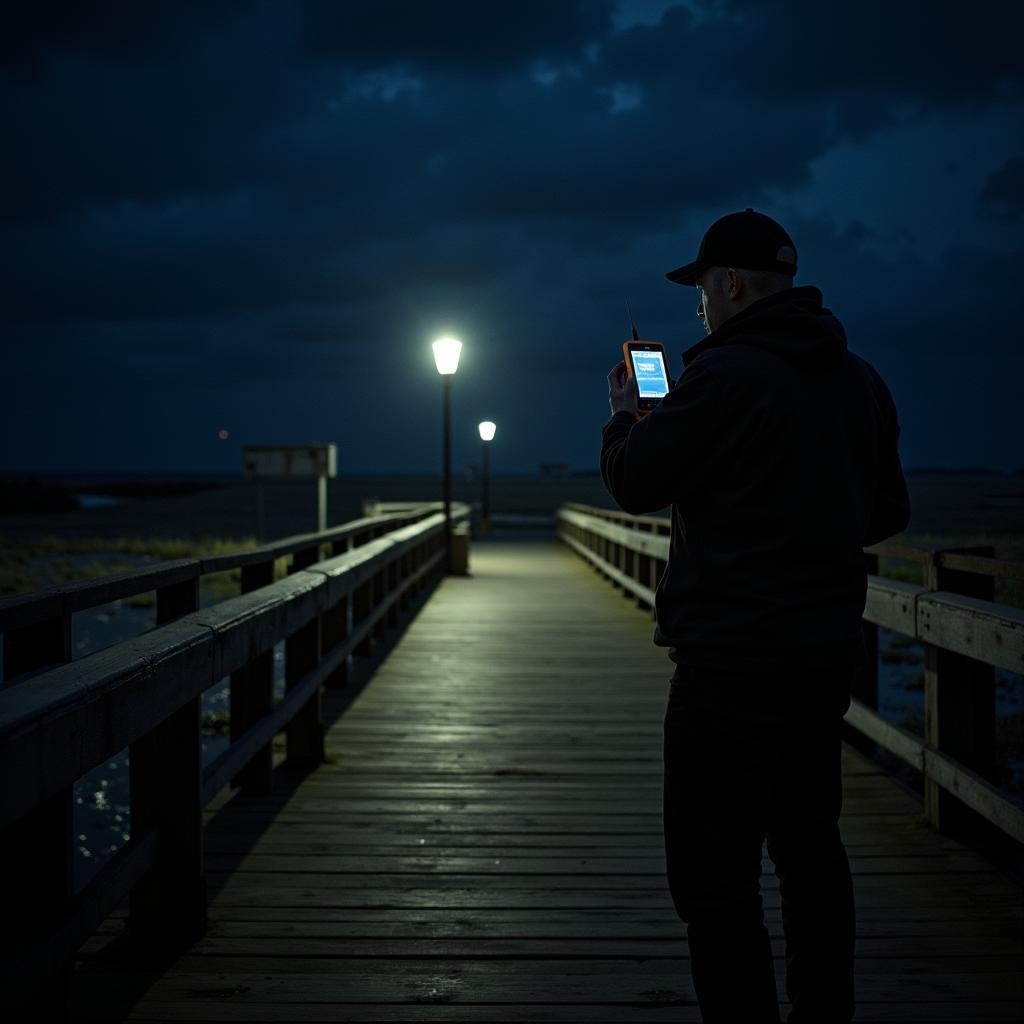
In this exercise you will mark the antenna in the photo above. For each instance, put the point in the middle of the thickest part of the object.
(632, 323)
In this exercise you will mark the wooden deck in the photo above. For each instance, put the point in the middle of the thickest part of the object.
(485, 845)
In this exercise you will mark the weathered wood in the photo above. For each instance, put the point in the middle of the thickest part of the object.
(38, 961)
(895, 739)
(362, 603)
(959, 692)
(975, 628)
(59, 725)
(305, 734)
(21, 611)
(980, 564)
(391, 578)
(251, 699)
(37, 882)
(336, 627)
(37, 851)
(207, 982)
(39, 644)
(173, 600)
(226, 1005)
(252, 696)
(379, 592)
(892, 604)
(165, 769)
(644, 594)
(864, 683)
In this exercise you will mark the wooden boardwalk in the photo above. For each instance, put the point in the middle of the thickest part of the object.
(485, 845)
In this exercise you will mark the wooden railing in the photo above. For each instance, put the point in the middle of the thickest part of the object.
(58, 723)
(37, 627)
(964, 633)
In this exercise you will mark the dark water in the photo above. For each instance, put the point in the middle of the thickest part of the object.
(98, 501)
(102, 797)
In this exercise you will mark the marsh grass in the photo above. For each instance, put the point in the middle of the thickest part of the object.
(45, 562)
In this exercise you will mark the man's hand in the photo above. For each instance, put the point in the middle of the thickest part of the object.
(622, 390)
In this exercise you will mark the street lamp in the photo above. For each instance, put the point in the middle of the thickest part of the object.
(487, 429)
(446, 358)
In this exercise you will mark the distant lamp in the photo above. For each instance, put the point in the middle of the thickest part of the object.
(446, 358)
(487, 429)
(446, 355)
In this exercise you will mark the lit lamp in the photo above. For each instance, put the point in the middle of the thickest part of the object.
(446, 358)
(487, 429)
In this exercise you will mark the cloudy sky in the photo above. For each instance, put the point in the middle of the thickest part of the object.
(255, 217)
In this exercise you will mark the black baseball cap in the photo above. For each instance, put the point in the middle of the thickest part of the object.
(747, 240)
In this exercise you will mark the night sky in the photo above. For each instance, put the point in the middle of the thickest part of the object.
(256, 217)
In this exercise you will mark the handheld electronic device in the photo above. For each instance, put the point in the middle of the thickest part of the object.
(645, 360)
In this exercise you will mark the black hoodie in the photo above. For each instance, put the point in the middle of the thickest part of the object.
(777, 451)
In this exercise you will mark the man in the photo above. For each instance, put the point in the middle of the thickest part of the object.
(776, 450)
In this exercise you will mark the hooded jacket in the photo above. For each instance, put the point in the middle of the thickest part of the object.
(777, 451)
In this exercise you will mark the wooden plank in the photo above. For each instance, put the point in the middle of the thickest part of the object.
(598, 982)
(892, 604)
(979, 629)
(650, 1011)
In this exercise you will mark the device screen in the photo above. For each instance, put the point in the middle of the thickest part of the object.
(651, 376)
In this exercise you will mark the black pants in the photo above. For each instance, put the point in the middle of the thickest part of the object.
(747, 757)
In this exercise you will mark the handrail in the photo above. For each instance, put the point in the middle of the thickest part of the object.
(964, 638)
(982, 565)
(144, 693)
(19, 611)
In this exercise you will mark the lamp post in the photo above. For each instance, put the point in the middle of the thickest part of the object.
(446, 358)
(487, 429)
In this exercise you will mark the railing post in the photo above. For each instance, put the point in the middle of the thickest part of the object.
(864, 683)
(404, 569)
(959, 699)
(362, 605)
(37, 875)
(380, 627)
(336, 627)
(304, 735)
(177, 599)
(37, 866)
(165, 769)
(252, 696)
(643, 564)
(35, 647)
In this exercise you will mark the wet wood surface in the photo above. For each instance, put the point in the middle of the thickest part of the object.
(484, 844)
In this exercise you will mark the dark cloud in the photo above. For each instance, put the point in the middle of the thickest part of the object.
(122, 30)
(464, 34)
(861, 63)
(203, 201)
(1003, 195)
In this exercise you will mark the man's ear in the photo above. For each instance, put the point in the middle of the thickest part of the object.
(735, 283)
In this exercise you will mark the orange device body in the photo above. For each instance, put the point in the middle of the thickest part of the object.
(646, 361)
